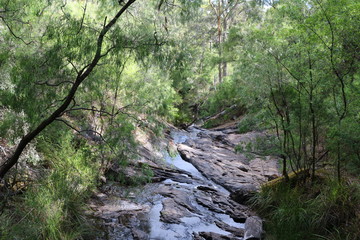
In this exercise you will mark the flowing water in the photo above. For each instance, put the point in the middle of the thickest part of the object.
(149, 222)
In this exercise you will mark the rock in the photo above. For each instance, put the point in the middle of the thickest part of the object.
(178, 199)
(239, 232)
(181, 197)
(213, 236)
(212, 153)
(220, 203)
(172, 212)
(253, 228)
(176, 205)
(139, 235)
(244, 193)
(108, 211)
(173, 174)
(206, 188)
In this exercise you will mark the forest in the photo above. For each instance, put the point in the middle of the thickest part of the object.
(159, 119)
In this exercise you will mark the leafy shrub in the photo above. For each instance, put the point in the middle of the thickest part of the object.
(256, 120)
(224, 96)
(52, 207)
(138, 175)
(247, 124)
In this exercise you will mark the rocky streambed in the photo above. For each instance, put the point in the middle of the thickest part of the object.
(197, 193)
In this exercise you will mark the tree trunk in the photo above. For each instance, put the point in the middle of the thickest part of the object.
(224, 63)
(82, 75)
(219, 41)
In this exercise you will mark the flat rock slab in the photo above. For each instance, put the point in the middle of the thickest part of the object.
(172, 212)
(238, 232)
(179, 203)
(213, 154)
(176, 205)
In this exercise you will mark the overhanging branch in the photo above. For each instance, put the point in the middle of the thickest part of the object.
(82, 75)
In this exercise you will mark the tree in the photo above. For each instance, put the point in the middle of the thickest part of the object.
(82, 74)
(224, 11)
(296, 62)
(64, 53)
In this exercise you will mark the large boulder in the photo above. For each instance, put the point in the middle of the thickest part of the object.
(253, 228)
(244, 193)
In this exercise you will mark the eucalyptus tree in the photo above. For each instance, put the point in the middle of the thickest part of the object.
(301, 63)
(82, 73)
(224, 12)
(55, 54)
(187, 59)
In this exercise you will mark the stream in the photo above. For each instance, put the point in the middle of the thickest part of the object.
(185, 204)
(204, 219)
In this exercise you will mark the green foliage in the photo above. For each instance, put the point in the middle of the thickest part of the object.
(294, 65)
(143, 175)
(225, 96)
(53, 208)
(347, 138)
(309, 212)
(119, 138)
(267, 145)
(250, 122)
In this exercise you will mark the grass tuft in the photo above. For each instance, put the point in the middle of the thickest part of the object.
(324, 210)
(53, 207)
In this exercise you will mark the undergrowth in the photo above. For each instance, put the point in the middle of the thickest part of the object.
(230, 115)
(140, 175)
(53, 206)
(254, 120)
(323, 210)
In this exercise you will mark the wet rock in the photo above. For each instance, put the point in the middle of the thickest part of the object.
(212, 153)
(206, 188)
(177, 204)
(173, 174)
(181, 197)
(219, 164)
(220, 203)
(213, 236)
(139, 235)
(244, 193)
(253, 228)
(172, 212)
(239, 232)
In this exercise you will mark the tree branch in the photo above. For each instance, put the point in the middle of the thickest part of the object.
(13, 159)
(82, 19)
(54, 84)
(12, 32)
